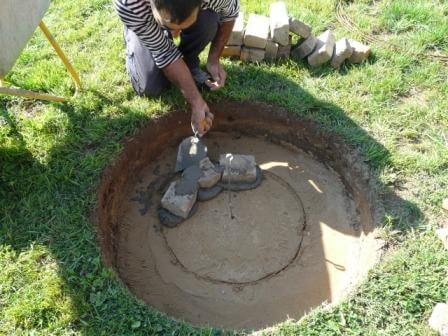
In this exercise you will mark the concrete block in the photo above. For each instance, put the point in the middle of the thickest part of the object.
(257, 32)
(324, 49)
(191, 151)
(279, 23)
(361, 52)
(342, 51)
(299, 28)
(188, 184)
(439, 319)
(236, 37)
(238, 168)
(305, 48)
(252, 54)
(271, 51)
(210, 174)
(284, 52)
(179, 205)
(231, 51)
(18, 21)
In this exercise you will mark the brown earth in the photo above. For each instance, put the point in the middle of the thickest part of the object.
(245, 259)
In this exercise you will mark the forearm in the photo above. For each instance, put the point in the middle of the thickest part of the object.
(179, 74)
(220, 40)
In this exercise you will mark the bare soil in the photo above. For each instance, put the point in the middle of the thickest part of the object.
(245, 259)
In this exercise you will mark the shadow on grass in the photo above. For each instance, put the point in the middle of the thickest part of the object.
(50, 203)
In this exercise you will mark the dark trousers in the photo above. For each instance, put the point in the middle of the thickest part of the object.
(146, 78)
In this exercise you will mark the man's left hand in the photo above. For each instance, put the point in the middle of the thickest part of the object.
(218, 75)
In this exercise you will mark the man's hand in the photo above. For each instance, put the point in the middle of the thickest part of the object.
(218, 75)
(179, 74)
(201, 117)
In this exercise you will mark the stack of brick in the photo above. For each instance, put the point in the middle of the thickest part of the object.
(270, 39)
(203, 180)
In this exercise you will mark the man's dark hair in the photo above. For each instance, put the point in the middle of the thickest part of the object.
(179, 10)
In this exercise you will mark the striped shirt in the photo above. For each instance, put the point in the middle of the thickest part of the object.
(137, 16)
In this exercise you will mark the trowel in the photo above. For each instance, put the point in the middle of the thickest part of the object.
(190, 153)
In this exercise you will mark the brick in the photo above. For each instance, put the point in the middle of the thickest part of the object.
(237, 35)
(284, 52)
(439, 319)
(299, 28)
(191, 151)
(257, 32)
(279, 23)
(238, 168)
(179, 205)
(231, 51)
(305, 48)
(324, 49)
(342, 51)
(271, 51)
(252, 54)
(361, 52)
(210, 174)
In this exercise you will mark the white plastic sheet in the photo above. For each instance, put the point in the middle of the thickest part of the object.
(18, 21)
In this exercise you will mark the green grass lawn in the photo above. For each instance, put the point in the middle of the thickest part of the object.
(393, 109)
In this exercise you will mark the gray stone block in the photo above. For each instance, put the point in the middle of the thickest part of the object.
(305, 48)
(324, 49)
(191, 151)
(252, 54)
(238, 168)
(257, 32)
(284, 52)
(361, 52)
(299, 28)
(231, 51)
(439, 319)
(237, 35)
(210, 174)
(271, 51)
(179, 205)
(342, 51)
(279, 23)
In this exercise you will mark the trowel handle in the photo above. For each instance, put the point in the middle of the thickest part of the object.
(195, 131)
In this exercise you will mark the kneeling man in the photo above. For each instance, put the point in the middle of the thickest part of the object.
(154, 62)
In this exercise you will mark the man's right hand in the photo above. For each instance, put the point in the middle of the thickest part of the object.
(201, 117)
(179, 74)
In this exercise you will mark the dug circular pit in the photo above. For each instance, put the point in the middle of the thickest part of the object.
(246, 259)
